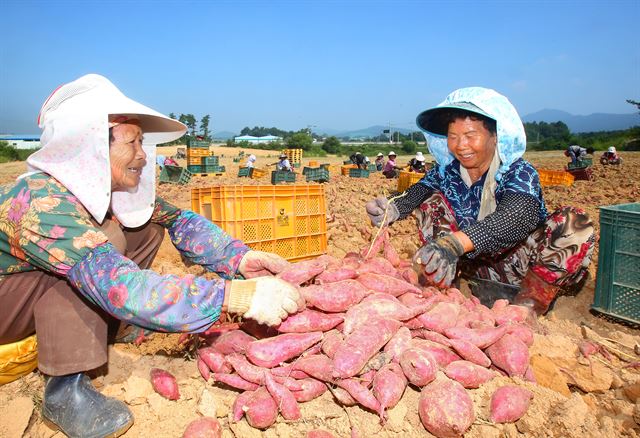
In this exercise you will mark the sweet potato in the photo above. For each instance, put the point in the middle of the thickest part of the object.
(389, 384)
(309, 321)
(445, 408)
(470, 352)
(288, 371)
(302, 272)
(334, 297)
(270, 352)
(214, 360)
(522, 332)
(205, 427)
(317, 366)
(260, 409)
(391, 254)
(317, 433)
(164, 383)
(431, 336)
(510, 354)
(205, 372)
(343, 397)
(246, 370)
(468, 374)
(367, 378)
(480, 337)
(509, 403)
(235, 381)
(512, 313)
(440, 317)
(286, 402)
(234, 341)
(360, 346)
(376, 265)
(418, 366)
(311, 389)
(386, 284)
(410, 276)
(379, 360)
(378, 305)
(360, 393)
(398, 344)
(339, 274)
(237, 410)
(440, 353)
(332, 339)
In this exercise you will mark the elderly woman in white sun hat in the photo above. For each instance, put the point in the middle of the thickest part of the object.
(417, 163)
(78, 234)
(481, 207)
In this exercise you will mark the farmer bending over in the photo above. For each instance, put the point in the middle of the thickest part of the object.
(481, 205)
(79, 233)
(577, 153)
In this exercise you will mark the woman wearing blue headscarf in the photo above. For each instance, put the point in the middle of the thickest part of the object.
(482, 205)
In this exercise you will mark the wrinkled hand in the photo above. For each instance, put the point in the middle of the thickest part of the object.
(260, 263)
(376, 208)
(267, 300)
(439, 259)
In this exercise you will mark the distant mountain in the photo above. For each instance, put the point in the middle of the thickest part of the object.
(223, 135)
(591, 123)
(371, 131)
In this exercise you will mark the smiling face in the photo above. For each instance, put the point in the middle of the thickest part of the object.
(126, 155)
(472, 144)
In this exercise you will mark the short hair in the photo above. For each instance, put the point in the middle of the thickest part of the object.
(453, 114)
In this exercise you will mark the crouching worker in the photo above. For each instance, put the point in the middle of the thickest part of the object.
(79, 233)
(611, 157)
(481, 207)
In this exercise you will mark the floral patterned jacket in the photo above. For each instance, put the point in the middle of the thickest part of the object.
(44, 227)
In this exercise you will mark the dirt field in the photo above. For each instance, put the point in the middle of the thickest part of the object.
(573, 397)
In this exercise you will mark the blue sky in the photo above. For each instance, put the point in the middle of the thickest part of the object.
(329, 64)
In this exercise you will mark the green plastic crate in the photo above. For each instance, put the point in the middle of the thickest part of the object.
(214, 169)
(236, 160)
(195, 168)
(245, 172)
(198, 144)
(347, 162)
(319, 175)
(358, 173)
(175, 174)
(278, 176)
(210, 161)
(618, 279)
(297, 165)
(581, 164)
(325, 165)
(372, 168)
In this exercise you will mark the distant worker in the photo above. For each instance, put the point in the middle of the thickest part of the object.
(284, 164)
(160, 160)
(358, 160)
(611, 157)
(577, 153)
(169, 161)
(379, 161)
(251, 160)
(416, 164)
(390, 168)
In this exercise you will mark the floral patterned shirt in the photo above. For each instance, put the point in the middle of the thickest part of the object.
(44, 227)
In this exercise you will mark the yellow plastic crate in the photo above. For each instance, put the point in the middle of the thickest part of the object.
(344, 169)
(194, 160)
(258, 173)
(406, 179)
(198, 153)
(288, 220)
(555, 178)
(313, 163)
(293, 155)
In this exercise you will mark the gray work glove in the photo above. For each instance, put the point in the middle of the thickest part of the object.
(376, 208)
(439, 259)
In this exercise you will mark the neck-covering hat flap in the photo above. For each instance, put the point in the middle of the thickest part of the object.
(75, 146)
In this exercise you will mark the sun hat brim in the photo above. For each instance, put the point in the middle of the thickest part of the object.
(431, 120)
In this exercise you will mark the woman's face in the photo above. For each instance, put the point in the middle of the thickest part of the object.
(471, 143)
(126, 155)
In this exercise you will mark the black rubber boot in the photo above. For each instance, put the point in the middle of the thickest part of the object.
(73, 405)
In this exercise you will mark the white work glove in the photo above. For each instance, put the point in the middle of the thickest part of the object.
(266, 300)
(260, 263)
(375, 210)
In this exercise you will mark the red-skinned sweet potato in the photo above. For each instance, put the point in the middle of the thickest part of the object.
(317, 433)
(440, 353)
(509, 403)
(445, 408)
(468, 374)
(317, 366)
(480, 337)
(343, 397)
(214, 360)
(286, 402)
(270, 352)
(332, 339)
(512, 313)
(378, 305)
(431, 336)
(237, 410)
(234, 341)
(440, 317)
(235, 381)
(338, 274)
(261, 409)
(522, 332)
(309, 321)
(389, 384)
(359, 393)
(510, 354)
(288, 371)
(386, 284)
(205, 372)
(334, 297)
(205, 427)
(398, 344)
(311, 389)
(418, 366)
(361, 345)
(302, 272)
(164, 383)
(470, 352)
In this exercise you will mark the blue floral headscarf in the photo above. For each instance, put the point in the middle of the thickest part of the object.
(511, 138)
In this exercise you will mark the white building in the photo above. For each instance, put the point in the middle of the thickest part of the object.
(22, 141)
(257, 140)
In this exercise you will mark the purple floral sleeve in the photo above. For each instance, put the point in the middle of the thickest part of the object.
(206, 244)
(144, 298)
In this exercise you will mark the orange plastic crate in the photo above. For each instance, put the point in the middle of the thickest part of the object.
(198, 153)
(406, 179)
(286, 220)
(345, 169)
(313, 163)
(293, 155)
(555, 178)
(258, 173)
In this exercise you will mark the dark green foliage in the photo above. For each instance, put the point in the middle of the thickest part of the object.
(332, 145)
(10, 153)
(409, 146)
(299, 140)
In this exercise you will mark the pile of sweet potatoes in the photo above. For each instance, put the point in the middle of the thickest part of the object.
(369, 330)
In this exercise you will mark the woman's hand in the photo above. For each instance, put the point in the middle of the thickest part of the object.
(376, 208)
(267, 300)
(439, 259)
(260, 263)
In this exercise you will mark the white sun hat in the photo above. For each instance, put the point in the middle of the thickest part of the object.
(75, 122)
(380, 154)
(391, 153)
(419, 156)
